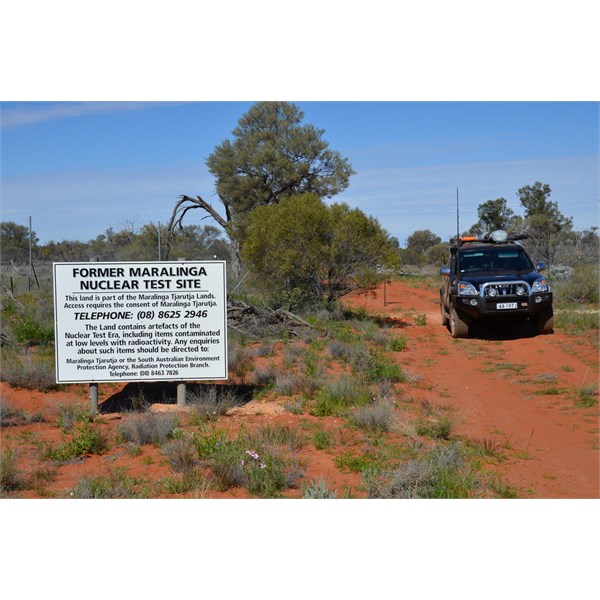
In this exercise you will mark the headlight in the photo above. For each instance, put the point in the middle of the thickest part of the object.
(466, 289)
(540, 285)
(521, 290)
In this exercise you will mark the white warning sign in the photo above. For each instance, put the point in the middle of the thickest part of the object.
(140, 321)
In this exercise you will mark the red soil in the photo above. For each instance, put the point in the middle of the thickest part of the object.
(494, 385)
(509, 389)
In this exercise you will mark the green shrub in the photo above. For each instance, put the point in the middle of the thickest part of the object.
(437, 427)
(323, 251)
(375, 367)
(575, 319)
(117, 484)
(397, 343)
(13, 417)
(29, 330)
(441, 473)
(253, 461)
(85, 439)
(286, 384)
(275, 435)
(209, 442)
(193, 481)
(317, 489)
(181, 454)
(30, 370)
(71, 414)
(377, 416)
(11, 478)
(147, 428)
(209, 402)
(322, 439)
(339, 395)
(227, 465)
(586, 396)
(355, 463)
(240, 359)
(581, 287)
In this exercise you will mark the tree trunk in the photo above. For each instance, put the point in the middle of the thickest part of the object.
(186, 203)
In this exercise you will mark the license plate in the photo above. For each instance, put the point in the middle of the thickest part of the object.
(505, 305)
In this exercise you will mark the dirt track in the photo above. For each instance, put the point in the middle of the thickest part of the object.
(510, 387)
(509, 390)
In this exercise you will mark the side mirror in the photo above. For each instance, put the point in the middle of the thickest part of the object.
(540, 267)
(445, 271)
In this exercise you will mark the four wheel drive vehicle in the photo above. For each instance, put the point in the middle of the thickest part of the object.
(492, 279)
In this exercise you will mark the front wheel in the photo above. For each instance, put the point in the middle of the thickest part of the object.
(459, 328)
(445, 317)
(545, 321)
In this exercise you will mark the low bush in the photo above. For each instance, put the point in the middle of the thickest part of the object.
(586, 396)
(71, 414)
(240, 359)
(181, 454)
(209, 402)
(13, 417)
(117, 484)
(437, 427)
(378, 416)
(317, 489)
(374, 367)
(147, 428)
(339, 395)
(85, 439)
(441, 473)
(286, 384)
(11, 478)
(252, 460)
(322, 439)
(577, 319)
(581, 287)
(194, 483)
(276, 436)
(30, 370)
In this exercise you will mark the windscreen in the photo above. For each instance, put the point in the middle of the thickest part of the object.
(500, 260)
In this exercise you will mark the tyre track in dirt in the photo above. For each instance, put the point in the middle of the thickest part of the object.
(505, 386)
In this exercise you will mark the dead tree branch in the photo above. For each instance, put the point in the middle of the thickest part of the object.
(181, 208)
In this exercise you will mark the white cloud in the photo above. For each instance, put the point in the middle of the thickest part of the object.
(407, 199)
(82, 204)
(30, 113)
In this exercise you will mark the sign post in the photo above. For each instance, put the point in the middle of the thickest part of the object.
(140, 321)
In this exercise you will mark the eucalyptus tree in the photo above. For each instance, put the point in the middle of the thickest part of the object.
(272, 155)
(302, 251)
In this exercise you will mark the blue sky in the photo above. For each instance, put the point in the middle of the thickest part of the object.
(78, 168)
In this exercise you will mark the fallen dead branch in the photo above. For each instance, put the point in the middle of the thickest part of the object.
(263, 322)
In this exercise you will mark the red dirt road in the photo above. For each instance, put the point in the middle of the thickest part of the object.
(508, 390)
(509, 387)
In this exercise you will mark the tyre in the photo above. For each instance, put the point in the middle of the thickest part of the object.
(459, 328)
(445, 317)
(545, 322)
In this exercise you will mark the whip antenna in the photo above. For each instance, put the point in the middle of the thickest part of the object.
(457, 216)
(457, 238)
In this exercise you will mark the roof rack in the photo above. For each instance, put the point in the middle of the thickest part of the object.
(495, 237)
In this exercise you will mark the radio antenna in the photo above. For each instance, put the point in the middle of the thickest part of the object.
(457, 239)
(457, 217)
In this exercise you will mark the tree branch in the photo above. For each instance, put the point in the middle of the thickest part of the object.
(182, 206)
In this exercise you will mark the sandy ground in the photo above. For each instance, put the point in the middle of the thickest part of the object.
(508, 388)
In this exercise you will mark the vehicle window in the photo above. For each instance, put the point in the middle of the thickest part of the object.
(495, 259)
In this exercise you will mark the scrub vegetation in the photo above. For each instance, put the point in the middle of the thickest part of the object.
(314, 379)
